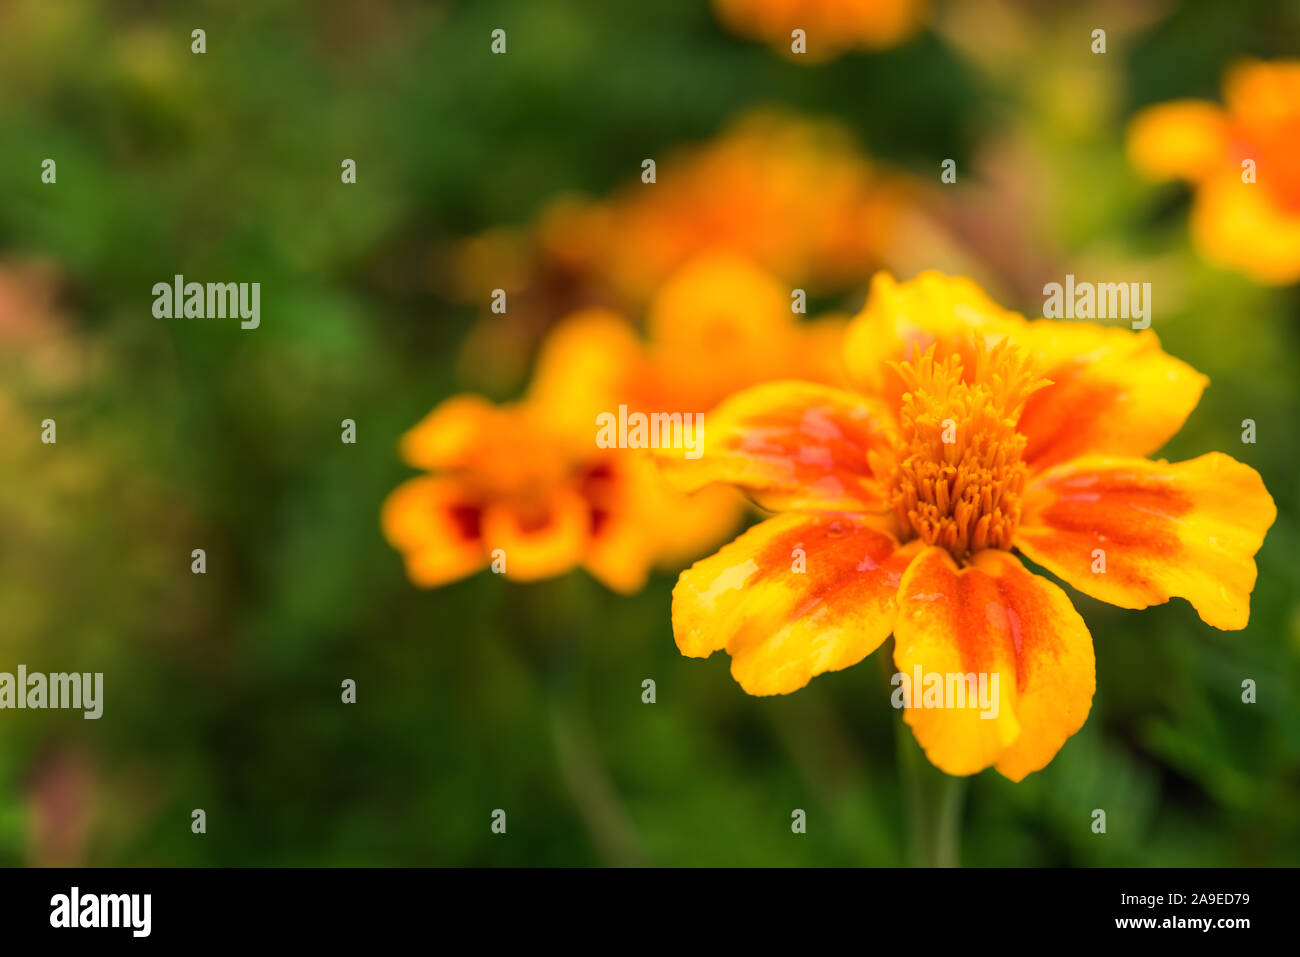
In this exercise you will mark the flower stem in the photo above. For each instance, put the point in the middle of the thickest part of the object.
(932, 802)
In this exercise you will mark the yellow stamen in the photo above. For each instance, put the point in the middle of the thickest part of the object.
(959, 475)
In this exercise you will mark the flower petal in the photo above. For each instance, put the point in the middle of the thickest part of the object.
(932, 309)
(590, 362)
(1113, 392)
(782, 625)
(447, 437)
(638, 521)
(1183, 139)
(1160, 530)
(437, 527)
(1244, 226)
(543, 540)
(791, 445)
(997, 620)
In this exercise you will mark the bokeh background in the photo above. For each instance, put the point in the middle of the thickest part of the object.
(222, 691)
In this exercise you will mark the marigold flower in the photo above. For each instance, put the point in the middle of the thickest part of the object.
(795, 197)
(508, 487)
(527, 481)
(979, 437)
(830, 26)
(1244, 161)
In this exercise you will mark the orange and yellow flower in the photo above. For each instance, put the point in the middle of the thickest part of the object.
(977, 437)
(830, 27)
(525, 485)
(1243, 159)
(507, 488)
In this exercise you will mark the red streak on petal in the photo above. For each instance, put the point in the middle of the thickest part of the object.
(1061, 420)
(846, 563)
(467, 519)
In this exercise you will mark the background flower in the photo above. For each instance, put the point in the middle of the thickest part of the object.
(1242, 161)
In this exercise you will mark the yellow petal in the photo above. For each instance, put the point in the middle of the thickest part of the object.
(932, 309)
(992, 621)
(1244, 227)
(1184, 139)
(447, 436)
(793, 597)
(1159, 530)
(590, 363)
(1113, 391)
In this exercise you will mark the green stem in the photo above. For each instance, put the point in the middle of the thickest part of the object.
(932, 804)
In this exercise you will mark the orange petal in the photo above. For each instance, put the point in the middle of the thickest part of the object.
(447, 437)
(591, 362)
(1018, 633)
(791, 445)
(1263, 95)
(783, 625)
(436, 526)
(539, 541)
(1113, 391)
(719, 324)
(1160, 530)
(1184, 139)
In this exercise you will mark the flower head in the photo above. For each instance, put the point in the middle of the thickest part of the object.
(977, 437)
(1244, 161)
(525, 489)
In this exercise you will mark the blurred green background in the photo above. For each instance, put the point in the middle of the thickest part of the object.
(222, 691)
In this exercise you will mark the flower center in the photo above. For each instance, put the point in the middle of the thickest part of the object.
(959, 469)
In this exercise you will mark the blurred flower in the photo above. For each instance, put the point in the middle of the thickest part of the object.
(1250, 226)
(977, 435)
(529, 479)
(830, 26)
(507, 491)
(792, 195)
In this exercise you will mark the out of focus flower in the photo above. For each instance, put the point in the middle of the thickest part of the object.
(1243, 159)
(507, 489)
(976, 436)
(793, 196)
(830, 27)
(528, 484)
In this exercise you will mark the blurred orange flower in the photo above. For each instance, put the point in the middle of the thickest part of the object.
(510, 491)
(975, 435)
(527, 485)
(1244, 161)
(791, 195)
(830, 27)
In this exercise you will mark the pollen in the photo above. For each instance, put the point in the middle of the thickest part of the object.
(959, 470)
